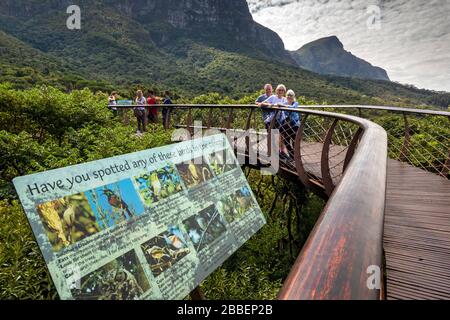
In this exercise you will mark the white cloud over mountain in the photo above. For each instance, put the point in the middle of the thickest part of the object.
(412, 43)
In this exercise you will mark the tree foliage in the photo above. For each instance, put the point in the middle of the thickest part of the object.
(44, 128)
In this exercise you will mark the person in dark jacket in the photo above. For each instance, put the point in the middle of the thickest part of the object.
(153, 109)
(166, 111)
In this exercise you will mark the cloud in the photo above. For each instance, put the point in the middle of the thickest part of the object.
(412, 43)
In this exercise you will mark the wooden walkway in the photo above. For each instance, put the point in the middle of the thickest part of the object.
(417, 234)
(416, 228)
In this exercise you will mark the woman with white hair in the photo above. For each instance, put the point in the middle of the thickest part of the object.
(278, 99)
(292, 123)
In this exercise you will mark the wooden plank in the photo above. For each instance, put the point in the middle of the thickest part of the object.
(417, 234)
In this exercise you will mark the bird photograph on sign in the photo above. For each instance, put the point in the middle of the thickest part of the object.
(221, 162)
(205, 227)
(235, 205)
(120, 279)
(194, 172)
(159, 184)
(68, 220)
(115, 203)
(166, 249)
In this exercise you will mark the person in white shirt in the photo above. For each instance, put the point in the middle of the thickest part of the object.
(278, 99)
(112, 100)
(140, 112)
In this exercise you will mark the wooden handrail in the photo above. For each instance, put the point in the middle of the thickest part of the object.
(347, 238)
(367, 107)
(385, 108)
(404, 154)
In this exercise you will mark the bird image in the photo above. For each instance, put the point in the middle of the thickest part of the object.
(194, 235)
(193, 170)
(160, 256)
(69, 220)
(243, 203)
(116, 201)
(156, 184)
(175, 241)
(206, 174)
(177, 238)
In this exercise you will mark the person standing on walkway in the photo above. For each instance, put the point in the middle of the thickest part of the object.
(278, 99)
(112, 102)
(140, 112)
(166, 110)
(291, 123)
(268, 93)
(152, 110)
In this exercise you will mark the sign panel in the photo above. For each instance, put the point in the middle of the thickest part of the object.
(147, 225)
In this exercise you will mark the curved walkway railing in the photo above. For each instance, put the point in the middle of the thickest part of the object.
(423, 140)
(339, 156)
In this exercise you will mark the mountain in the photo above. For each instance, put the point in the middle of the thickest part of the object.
(328, 56)
(221, 24)
(188, 46)
(143, 41)
(226, 25)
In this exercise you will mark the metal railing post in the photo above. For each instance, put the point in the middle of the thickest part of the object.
(407, 140)
(325, 160)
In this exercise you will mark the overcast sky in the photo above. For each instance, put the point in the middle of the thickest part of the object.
(411, 40)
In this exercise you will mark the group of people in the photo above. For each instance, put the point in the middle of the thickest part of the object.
(146, 110)
(286, 122)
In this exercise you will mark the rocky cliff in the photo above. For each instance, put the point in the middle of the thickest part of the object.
(227, 25)
(328, 56)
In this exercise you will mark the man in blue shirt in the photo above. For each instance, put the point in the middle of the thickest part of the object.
(166, 111)
(268, 93)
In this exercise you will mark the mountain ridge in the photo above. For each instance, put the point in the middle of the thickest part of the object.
(328, 56)
(120, 49)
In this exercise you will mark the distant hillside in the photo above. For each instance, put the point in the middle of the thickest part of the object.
(24, 65)
(188, 46)
(327, 56)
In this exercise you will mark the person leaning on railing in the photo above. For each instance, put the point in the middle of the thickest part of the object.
(268, 93)
(153, 109)
(277, 99)
(291, 123)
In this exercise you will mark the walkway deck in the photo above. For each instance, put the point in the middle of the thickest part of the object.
(416, 228)
(417, 234)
